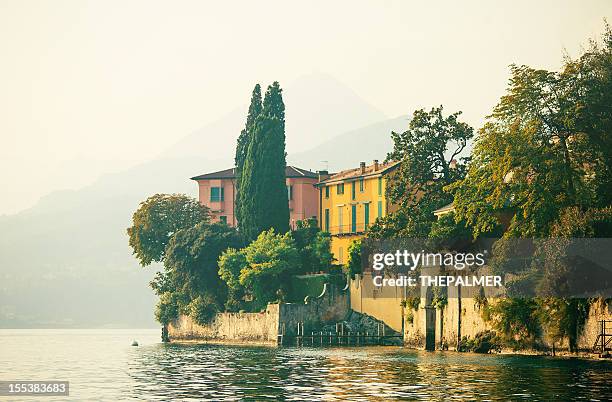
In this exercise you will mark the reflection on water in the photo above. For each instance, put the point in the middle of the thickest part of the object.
(102, 365)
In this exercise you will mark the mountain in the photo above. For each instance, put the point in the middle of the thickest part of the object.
(345, 151)
(318, 107)
(66, 262)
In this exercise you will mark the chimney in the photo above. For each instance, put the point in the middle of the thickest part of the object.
(376, 165)
(323, 175)
(453, 164)
(362, 166)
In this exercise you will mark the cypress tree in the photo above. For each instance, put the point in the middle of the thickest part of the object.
(242, 145)
(264, 192)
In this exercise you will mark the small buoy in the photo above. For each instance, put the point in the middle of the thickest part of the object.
(134, 343)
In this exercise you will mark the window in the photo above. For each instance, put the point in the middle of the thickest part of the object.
(366, 216)
(380, 186)
(352, 190)
(340, 229)
(216, 194)
(327, 220)
(340, 188)
(353, 218)
(223, 218)
(289, 192)
(380, 209)
(361, 185)
(326, 191)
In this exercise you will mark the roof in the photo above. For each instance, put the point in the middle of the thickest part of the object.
(444, 210)
(290, 172)
(221, 174)
(350, 174)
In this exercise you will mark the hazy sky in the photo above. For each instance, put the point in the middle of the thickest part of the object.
(88, 87)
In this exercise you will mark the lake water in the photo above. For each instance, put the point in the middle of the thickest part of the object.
(101, 365)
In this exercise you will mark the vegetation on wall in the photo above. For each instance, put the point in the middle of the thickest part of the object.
(353, 265)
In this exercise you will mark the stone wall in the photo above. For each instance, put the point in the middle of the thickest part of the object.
(256, 328)
(332, 306)
(264, 328)
(463, 317)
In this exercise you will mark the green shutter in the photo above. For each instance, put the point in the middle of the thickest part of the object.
(380, 211)
(327, 220)
(222, 193)
(215, 194)
(361, 184)
(352, 190)
(366, 217)
(380, 186)
(353, 218)
(326, 191)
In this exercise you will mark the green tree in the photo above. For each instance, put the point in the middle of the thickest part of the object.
(353, 265)
(157, 219)
(541, 167)
(191, 259)
(546, 147)
(264, 203)
(430, 154)
(231, 262)
(313, 246)
(167, 309)
(264, 268)
(242, 146)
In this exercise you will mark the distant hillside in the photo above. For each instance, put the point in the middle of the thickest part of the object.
(347, 150)
(66, 262)
(318, 107)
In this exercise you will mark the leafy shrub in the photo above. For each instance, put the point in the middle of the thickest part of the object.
(480, 299)
(353, 265)
(411, 302)
(484, 342)
(515, 321)
(203, 309)
(410, 317)
(167, 309)
(440, 298)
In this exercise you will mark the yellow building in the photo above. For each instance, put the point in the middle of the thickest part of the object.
(350, 201)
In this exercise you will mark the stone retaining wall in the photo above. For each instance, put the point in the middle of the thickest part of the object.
(265, 327)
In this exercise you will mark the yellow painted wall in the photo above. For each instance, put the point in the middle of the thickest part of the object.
(340, 211)
(383, 303)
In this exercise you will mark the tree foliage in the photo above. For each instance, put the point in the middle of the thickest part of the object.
(167, 309)
(541, 168)
(262, 269)
(516, 321)
(264, 202)
(313, 247)
(157, 219)
(431, 158)
(546, 147)
(192, 255)
(353, 264)
(242, 146)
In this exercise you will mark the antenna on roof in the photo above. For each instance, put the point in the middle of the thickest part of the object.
(326, 165)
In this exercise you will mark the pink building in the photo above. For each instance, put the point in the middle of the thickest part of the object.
(217, 191)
